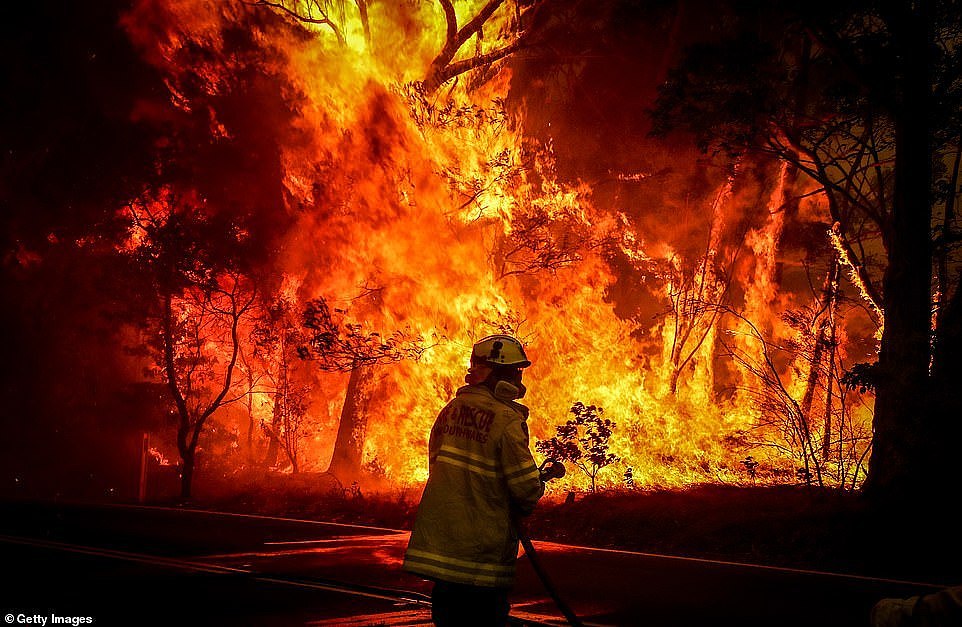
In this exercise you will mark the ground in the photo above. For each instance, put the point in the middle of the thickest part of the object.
(145, 565)
(791, 526)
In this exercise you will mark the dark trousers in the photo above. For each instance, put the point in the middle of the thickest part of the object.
(460, 605)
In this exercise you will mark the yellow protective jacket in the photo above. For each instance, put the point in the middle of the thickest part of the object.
(481, 474)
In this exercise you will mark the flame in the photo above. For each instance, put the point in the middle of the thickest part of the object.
(433, 212)
(835, 237)
(159, 457)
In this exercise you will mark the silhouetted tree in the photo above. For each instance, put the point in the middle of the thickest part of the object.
(829, 446)
(197, 300)
(583, 441)
(277, 335)
(318, 12)
(450, 61)
(446, 65)
(336, 345)
(878, 106)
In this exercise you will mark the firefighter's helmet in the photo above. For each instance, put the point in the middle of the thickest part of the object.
(500, 350)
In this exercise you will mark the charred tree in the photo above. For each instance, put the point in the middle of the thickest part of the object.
(947, 237)
(822, 331)
(362, 9)
(786, 425)
(272, 430)
(828, 334)
(250, 377)
(289, 421)
(946, 360)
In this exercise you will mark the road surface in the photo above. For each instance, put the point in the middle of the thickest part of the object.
(131, 565)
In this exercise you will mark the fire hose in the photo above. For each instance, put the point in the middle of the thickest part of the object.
(555, 470)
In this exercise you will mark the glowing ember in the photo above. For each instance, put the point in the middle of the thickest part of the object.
(158, 457)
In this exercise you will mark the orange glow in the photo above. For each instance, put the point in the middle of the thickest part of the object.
(434, 213)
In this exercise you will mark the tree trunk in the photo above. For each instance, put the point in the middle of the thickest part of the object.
(186, 474)
(183, 412)
(898, 467)
(349, 444)
(273, 446)
(673, 381)
(829, 381)
(946, 380)
(366, 25)
(947, 354)
(945, 236)
(831, 340)
(824, 341)
(250, 419)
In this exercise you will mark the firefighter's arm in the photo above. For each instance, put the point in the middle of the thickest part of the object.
(520, 471)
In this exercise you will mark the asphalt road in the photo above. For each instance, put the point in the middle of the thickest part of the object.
(128, 565)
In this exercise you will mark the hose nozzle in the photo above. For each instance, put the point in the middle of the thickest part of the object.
(551, 469)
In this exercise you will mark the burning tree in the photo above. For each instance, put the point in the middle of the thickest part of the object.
(860, 99)
(696, 282)
(450, 62)
(539, 242)
(197, 301)
(290, 424)
(816, 343)
(583, 441)
(811, 424)
(277, 335)
(318, 13)
(695, 305)
(280, 128)
(697, 293)
(446, 65)
(337, 345)
(479, 190)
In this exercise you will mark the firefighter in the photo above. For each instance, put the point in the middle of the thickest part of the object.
(482, 476)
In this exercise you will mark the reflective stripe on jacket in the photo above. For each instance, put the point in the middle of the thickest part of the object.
(481, 471)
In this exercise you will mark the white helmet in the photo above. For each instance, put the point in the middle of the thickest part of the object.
(500, 350)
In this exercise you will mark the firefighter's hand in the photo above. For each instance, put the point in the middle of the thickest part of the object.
(551, 469)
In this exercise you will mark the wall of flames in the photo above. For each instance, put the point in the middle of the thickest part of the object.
(402, 215)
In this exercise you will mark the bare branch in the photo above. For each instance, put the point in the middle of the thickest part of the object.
(451, 19)
(443, 68)
(323, 20)
(460, 67)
